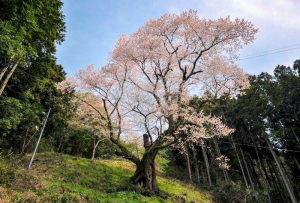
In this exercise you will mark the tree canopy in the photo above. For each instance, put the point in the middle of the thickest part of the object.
(147, 83)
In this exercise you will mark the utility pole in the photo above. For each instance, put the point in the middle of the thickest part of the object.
(38, 142)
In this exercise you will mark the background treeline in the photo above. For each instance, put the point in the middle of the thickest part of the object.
(266, 117)
(29, 33)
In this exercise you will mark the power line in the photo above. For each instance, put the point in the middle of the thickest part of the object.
(269, 53)
(288, 150)
(272, 50)
(237, 143)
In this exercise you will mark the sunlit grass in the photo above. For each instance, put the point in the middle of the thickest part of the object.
(63, 178)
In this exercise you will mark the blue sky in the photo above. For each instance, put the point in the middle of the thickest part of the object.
(93, 27)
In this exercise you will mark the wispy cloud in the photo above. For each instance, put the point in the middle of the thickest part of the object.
(279, 13)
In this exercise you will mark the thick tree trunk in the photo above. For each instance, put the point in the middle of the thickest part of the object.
(247, 169)
(255, 173)
(264, 168)
(145, 174)
(195, 164)
(94, 148)
(260, 168)
(7, 78)
(206, 164)
(240, 163)
(226, 177)
(283, 175)
(188, 163)
(3, 71)
(278, 181)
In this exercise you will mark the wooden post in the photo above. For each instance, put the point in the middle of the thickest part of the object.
(38, 142)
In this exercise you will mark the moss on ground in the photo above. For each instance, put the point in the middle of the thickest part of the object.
(62, 178)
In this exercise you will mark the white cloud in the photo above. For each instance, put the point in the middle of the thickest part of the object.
(278, 22)
(274, 13)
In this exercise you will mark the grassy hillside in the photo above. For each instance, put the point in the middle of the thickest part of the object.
(62, 178)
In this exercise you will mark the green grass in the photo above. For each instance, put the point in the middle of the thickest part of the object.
(62, 178)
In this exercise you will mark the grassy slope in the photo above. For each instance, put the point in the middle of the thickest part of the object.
(63, 178)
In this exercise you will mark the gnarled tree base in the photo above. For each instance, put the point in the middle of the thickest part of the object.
(145, 175)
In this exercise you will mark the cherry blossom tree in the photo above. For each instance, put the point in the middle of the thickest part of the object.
(108, 84)
(220, 78)
(150, 76)
(87, 117)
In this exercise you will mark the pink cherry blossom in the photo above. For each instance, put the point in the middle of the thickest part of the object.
(152, 73)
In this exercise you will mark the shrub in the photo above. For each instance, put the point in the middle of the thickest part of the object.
(234, 192)
(7, 173)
